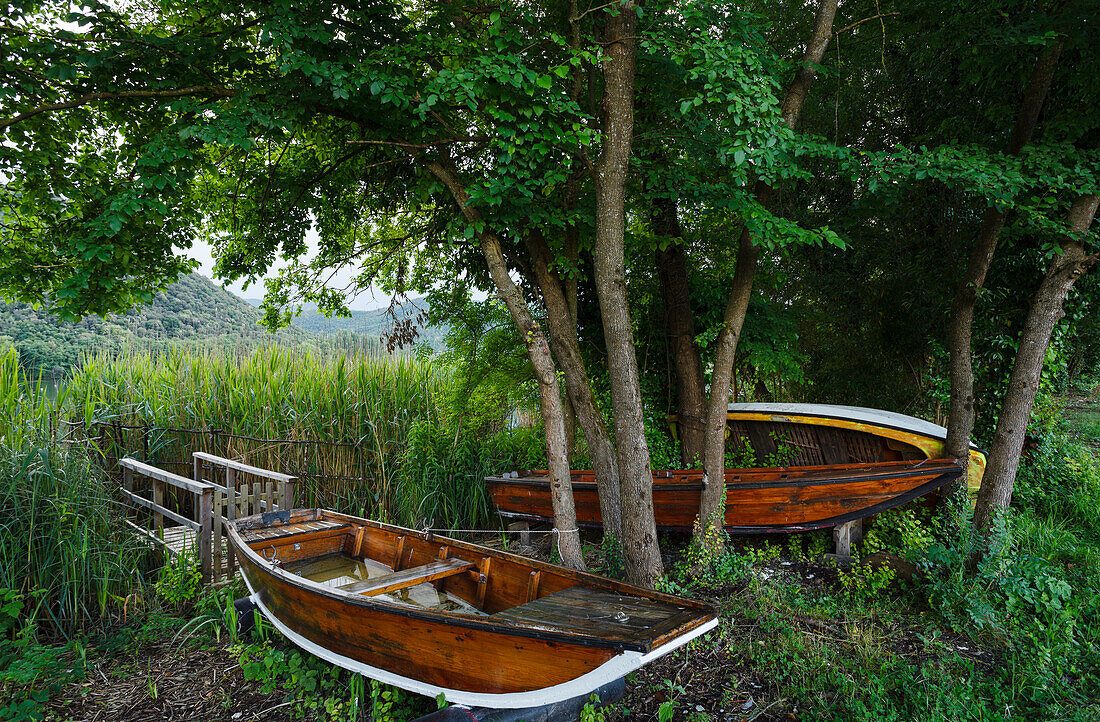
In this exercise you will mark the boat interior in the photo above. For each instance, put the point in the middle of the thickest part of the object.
(409, 569)
(812, 444)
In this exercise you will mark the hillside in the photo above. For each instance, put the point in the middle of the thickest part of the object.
(192, 311)
(375, 323)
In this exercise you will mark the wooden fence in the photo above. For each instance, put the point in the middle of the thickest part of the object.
(201, 507)
(248, 490)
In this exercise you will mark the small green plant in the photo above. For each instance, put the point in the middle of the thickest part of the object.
(31, 672)
(904, 532)
(592, 710)
(741, 457)
(321, 689)
(180, 580)
(863, 583)
(612, 552)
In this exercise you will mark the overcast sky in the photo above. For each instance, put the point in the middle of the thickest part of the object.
(202, 253)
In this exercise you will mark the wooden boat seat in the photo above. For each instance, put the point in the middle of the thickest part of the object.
(634, 621)
(412, 576)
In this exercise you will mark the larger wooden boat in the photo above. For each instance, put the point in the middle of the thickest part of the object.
(780, 499)
(817, 434)
(436, 615)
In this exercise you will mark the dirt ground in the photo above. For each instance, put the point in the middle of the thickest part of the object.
(168, 682)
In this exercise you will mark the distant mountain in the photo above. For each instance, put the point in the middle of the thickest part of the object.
(377, 323)
(193, 311)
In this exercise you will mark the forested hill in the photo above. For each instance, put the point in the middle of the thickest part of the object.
(191, 311)
(377, 322)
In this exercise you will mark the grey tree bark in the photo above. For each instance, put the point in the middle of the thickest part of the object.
(687, 363)
(642, 558)
(561, 320)
(960, 420)
(712, 503)
(546, 374)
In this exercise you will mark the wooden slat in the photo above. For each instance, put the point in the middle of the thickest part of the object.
(832, 445)
(166, 476)
(230, 515)
(483, 581)
(251, 536)
(398, 554)
(149, 536)
(533, 586)
(218, 534)
(239, 466)
(590, 611)
(429, 572)
(142, 501)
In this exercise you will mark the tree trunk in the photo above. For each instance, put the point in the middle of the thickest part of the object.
(538, 351)
(712, 504)
(570, 420)
(960, 420)
(691, 391)
(1046, 310)
(563, 340)
(640, 553)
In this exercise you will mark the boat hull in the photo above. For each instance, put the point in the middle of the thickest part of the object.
(782, 499)
(479, 660)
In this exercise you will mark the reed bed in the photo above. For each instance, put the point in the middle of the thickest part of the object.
(63, 545)
(365, 433)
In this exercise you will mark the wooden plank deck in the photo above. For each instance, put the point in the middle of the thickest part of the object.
(606, 614)
(178, 540)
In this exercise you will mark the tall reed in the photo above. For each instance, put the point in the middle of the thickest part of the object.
(344, 424)
(63, 544)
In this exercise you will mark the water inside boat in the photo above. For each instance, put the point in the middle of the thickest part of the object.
(338, 570)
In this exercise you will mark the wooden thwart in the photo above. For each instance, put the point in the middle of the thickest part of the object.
(412, 576)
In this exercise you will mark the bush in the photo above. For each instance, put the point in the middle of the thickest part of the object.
(1036, 587)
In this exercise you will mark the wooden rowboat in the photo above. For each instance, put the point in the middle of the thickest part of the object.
(818, 434)
(779, 499)
(436, 615)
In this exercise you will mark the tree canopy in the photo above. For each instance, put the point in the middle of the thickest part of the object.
(818, 174)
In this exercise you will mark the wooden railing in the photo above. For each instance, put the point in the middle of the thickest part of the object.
(247, 490)
(203, 507)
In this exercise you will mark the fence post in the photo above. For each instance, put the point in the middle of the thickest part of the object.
(205, 518)
(286, 503)
(231, 514)
(158, 499)
(128, 481)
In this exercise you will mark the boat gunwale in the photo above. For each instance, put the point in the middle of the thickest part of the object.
(470, 621)
(949, 469)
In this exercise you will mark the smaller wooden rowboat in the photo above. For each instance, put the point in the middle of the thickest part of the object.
(436, 615)
(778, 499)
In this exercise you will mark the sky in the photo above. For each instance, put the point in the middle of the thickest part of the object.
(203, 253)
